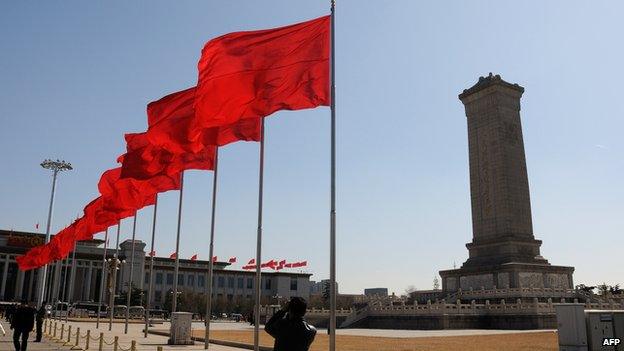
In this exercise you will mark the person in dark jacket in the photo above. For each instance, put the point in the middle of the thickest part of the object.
(290, 330)
(41, 314)
(22, 323)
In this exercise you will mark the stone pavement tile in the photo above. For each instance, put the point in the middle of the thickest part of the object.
(135, 332)
(6, 342)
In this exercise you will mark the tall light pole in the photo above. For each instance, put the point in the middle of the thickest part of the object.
(56, 167)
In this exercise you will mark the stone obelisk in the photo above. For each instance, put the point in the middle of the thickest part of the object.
(503, 252)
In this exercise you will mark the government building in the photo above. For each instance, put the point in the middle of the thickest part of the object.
(229, 284)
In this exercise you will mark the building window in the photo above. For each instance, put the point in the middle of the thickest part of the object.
(146, 278)
(191, 280)
(240, 283)
(230, 297)
(159, 277)
(293, 284)
(181, 279)
(201, 281)
(267, 284)
(169, 279)
(249, 283)
(158, 295)
(230, 282)
(221, 281)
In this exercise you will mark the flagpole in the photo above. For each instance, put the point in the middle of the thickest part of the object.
(65, 283)
(129, 292)
(102, 280)
(151, 268)
(114, 263)
(174, 302)
(332, 214)
(211, 249)
(72, 276)
(259, 243)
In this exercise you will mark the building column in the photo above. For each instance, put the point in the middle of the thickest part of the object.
(5, 271)
(88, 282)
(19, 285)
(31, 280)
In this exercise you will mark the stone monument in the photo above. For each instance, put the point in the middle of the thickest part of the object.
(503, 252)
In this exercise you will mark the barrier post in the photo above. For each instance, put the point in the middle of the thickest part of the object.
(133, 346)
(54, 336)
(101, 342)
(116, 344)
(88, 339)
(77, 336)
(62, 332)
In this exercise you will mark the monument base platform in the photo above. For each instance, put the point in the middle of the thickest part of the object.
(507, 275)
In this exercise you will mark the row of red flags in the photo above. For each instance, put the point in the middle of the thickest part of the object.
(242, 77)
(275, 264)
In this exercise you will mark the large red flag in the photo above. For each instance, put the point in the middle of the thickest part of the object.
(255, 73)
(143, 160)
(172, 126)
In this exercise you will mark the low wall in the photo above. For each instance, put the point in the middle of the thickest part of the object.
(507, 322)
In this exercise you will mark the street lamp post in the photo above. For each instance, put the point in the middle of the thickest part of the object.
(56, 167)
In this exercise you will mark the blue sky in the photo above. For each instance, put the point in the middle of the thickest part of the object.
(75, 76)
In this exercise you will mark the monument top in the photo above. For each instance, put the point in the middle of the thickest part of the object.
(489, 81)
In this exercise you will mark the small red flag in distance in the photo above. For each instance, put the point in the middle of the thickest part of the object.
(194, 257)
(214, 258)
(172, 256)
(232, 260)
(37, 225)
(152, 253)
(252, 74)
(252, 261)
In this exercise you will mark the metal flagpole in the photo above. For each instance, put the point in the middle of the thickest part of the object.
(72, 277)
(259, 243)
(151, 268)
(102, 280)
(64, 288)
(129, 293)
(174, 303)
(114, 263)
(211, 249)
(332, 213)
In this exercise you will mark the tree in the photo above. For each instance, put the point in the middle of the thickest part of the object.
(603, 289)
(615, 289)
(409, 290)
(137, 297)
(585, 288)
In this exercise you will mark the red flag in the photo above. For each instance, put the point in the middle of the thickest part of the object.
(145, 161)
(214, 258)
(194, 257)
(288, 265)
(255, 73)
(252, 261)
(152, 253)
(249, 266)
(173, 256)
(172, 126)
(232, 260)
(37, 225)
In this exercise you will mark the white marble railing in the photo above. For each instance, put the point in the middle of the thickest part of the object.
(479, 309)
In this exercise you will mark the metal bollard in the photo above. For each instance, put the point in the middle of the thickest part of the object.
(88, 339)
(133, 346)
(159, 348)
(116, 344)
(45, 326)
(77, 336)
(68, 341)
(62, 332)
(54, 336)
(101, 342)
